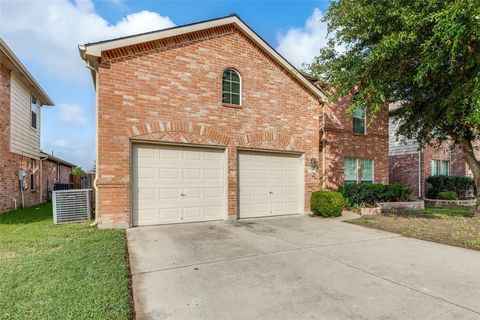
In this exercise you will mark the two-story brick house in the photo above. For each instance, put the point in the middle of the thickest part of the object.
(207, 122)
(21, 102)
(412, 164)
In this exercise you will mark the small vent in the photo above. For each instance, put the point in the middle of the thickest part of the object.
(71, 205)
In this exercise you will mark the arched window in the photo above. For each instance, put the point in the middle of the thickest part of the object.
(231, 87)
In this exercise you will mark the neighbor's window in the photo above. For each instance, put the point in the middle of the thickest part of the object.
(58, 172)
(367, 171)
(440, 167)
(34, 112)
(351, 170)
(359, 120)
(32, 175)
(231, 87)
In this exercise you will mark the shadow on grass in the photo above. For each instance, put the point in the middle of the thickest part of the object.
(431, 212)
(33, 214)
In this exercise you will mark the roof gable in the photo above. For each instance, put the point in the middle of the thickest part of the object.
(93, 51)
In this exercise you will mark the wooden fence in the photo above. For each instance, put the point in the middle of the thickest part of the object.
(84, 181)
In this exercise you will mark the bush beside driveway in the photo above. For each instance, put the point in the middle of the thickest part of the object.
(71, 271)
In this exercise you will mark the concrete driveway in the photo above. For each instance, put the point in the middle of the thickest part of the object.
(298, 268)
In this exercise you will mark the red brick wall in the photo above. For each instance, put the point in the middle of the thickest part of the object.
(445, 152)
(404, 168)
(11, 163)
(341, 142)
(49, 176)
(172, 93)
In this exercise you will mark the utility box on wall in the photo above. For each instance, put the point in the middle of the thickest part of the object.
(72, 205)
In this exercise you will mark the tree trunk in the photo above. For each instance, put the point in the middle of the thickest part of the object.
(474, 164)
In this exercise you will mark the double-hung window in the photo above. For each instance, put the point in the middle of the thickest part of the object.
(34, 112)
(440, 167)
(354, 166)
(351, 170)
(367, 171)
(359, 121)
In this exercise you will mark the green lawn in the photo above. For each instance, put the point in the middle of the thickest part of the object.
(450, 225)
(70, 271)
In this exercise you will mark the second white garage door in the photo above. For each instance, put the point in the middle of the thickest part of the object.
(270, 184)
(173, 184)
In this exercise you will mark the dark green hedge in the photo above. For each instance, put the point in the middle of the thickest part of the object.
(461, 185)
(368, 194)
(327, 203)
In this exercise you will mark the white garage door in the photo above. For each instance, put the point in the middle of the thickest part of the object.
(270, 184)
(173, 184)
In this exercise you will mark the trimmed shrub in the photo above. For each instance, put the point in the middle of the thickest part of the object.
(460, 184)
(327, 203)
(368, 194)
(447, 195)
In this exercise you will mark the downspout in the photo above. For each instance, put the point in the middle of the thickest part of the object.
(95, 74)
(420, 173)
(324, 144)
(41, 177)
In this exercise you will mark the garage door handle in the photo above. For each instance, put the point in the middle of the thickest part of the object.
(270, 192)
(183, 194)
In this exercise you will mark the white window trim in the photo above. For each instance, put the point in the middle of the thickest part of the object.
(36, 112)
(32, 174)
(241, 88)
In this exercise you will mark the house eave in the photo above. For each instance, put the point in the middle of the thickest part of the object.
(93, 51)
(22, 70)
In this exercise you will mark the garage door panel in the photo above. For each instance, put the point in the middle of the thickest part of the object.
(291, 205)
(192, 212)
(161, 174)
(169, 214)
(213, 211)
(275, 186)
(213, 174)
(146, 153)
(212, 192)
(278, 207)
(168, 154)
(169, 193)
(192, 174)
(147, 214)
(192, 193)
(169, 173)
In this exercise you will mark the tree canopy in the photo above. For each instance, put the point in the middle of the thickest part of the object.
(422, 54)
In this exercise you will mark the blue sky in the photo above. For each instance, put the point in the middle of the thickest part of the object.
(45, 35)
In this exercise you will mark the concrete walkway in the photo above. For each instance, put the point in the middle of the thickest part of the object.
(298, 268)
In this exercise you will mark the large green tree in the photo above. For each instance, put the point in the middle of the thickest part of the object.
(421, 54)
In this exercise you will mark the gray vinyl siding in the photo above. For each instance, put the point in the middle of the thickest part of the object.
(24, 139)
(395, 146)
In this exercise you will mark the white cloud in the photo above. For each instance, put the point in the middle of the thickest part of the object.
(61, 144)
(56, 28)
(72, 114)
(301, 45)
(77, 150)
